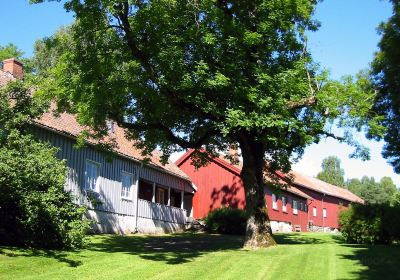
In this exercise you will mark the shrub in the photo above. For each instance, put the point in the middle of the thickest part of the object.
(227, 220)
(370, 224)
(34, 208)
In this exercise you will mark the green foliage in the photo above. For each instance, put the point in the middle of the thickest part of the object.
(371, 224)
(12, 51)
(206, 74)
(184, 75)
(331, 171)
(385, 76)
(226, 220)
(371, 191)
(34, 208)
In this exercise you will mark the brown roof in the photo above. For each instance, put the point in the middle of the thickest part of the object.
(67, 124)
(323, 187)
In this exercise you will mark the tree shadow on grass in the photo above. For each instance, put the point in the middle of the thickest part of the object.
(61, 256)
(379, 261)
(171, 249)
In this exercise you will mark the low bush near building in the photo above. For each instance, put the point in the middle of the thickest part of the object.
(227, 220)
(371, 224)
(35, 210)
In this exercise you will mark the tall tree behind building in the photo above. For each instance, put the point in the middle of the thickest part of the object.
(332, 172)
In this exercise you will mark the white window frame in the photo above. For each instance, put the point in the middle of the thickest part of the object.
(284, 203)
(98, 167)
(294, 206)
(324, 212)
(126, 193)
(314, 211)
(274, 202)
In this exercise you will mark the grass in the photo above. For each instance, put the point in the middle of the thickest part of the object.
(202, 256)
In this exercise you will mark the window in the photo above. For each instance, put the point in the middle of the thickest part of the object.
(92, 175)
(324, 212)
(314, 211)
(295, 207)
(160, 196)
(284, 201)
(127, 182)
(274, 202)
(145, 191)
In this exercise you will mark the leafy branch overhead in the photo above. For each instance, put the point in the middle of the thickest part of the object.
(198, 73)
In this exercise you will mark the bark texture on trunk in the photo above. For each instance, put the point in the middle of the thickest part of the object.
(258, 230)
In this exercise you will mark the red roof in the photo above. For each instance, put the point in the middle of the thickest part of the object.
(67, 124)
(323, 187)
(298, 179)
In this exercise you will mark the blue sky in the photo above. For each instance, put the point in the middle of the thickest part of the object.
(344, 44)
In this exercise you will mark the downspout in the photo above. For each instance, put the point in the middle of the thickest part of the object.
(323, 218)
(136, 201)
(308, 211)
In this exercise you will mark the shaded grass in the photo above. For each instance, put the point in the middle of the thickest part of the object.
(203, 256)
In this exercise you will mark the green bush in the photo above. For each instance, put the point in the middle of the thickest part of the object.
(370, 224)
(227, 220)
(35, 210)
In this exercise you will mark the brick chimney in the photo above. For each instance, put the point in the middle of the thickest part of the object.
(14, 67)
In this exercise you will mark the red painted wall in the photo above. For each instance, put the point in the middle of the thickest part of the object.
(216, 187)
(279, 215)
(330, 203)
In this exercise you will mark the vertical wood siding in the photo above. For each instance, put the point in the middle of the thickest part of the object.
(156, 211)
(109, 192)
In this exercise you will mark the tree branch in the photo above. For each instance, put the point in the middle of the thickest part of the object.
(195, 144)
(309, 101)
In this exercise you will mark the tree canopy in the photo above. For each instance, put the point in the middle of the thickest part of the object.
(385, 77)
(207, 75)
(331, 171)
(382, 192)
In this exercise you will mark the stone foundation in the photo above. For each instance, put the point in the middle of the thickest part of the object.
(281, 226)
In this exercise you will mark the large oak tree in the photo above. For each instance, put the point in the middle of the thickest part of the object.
(386, 79)
(206, 74)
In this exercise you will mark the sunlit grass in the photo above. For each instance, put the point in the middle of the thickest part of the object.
(202, 256)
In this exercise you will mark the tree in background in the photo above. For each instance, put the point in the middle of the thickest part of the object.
(12, 51)
(354, 185)
(385, 77)
(331, 172)
(207, 75)
(35, 210)
(382, 192)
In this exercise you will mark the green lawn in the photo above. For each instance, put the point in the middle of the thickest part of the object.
(202, 256)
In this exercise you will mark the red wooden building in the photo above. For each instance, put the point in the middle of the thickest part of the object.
(309, 204)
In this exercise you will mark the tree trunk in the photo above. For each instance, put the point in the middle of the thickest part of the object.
(258, 229)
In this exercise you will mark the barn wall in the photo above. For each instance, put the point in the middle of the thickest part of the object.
(332, 205)
(301, 218)
(216, 187)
